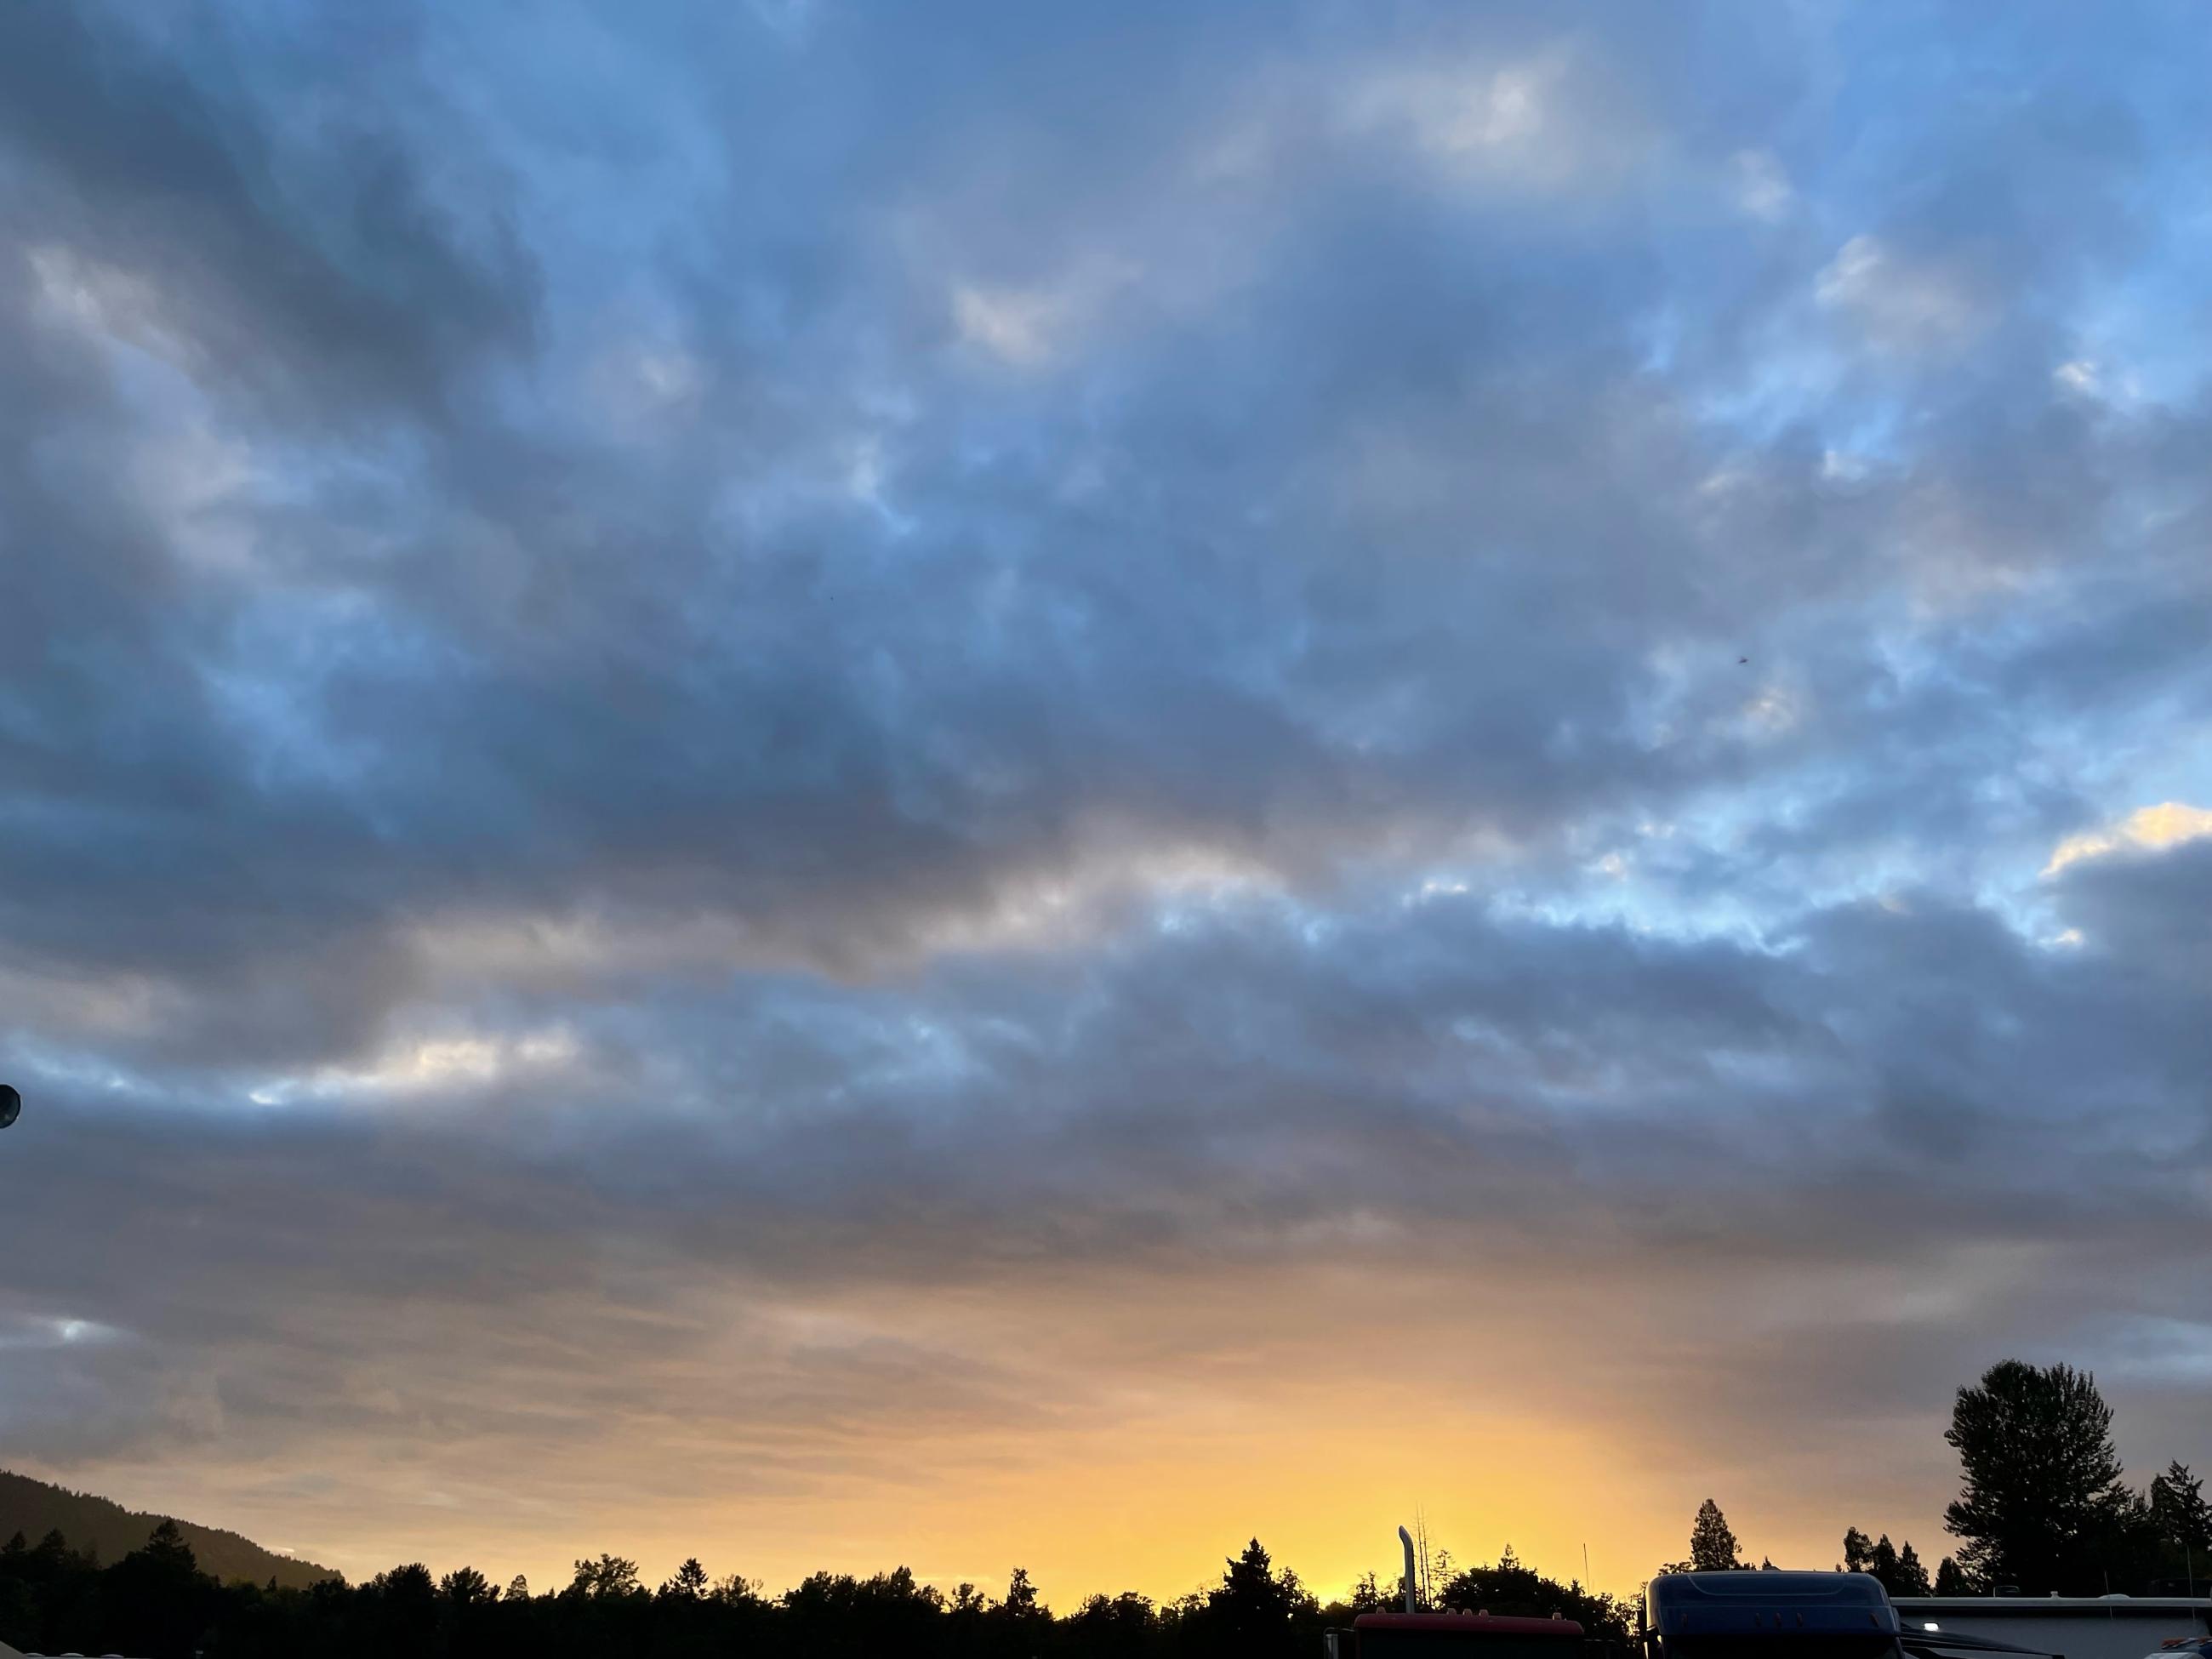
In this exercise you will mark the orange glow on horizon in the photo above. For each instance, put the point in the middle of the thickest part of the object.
(1152, 1496)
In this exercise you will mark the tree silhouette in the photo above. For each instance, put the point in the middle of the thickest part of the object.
(1712, 1546)
(1021, 1601)
(836, 1613)
(734, 1590)
(1912, 1577)
(1885, 1561)
(404, 1608)
(1899, 1570)
(1511, 1588)
(2042, 1480)
(2179, 1511)
(688, 1583)
(1254, 1611)
(1112, 1628)
(604, 1579)
(466, 1604)
(466, 1586)
(160, 1598)
(518, 1589)
(167, 1546)
(1951, 1578)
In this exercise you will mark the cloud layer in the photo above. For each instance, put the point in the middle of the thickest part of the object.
(781, 781)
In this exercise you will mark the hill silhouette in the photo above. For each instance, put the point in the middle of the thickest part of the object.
(36, 1507)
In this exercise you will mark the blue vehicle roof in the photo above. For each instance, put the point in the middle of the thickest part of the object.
(1768, 1602)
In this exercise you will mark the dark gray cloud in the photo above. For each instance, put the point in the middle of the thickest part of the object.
(761, 742)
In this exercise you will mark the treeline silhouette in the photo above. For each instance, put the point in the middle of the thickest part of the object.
(2043, 1507)
(156, 1602)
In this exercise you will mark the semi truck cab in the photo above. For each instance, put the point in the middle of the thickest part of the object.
(1772, 1615)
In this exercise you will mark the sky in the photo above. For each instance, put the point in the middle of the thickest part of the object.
(983, 785)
